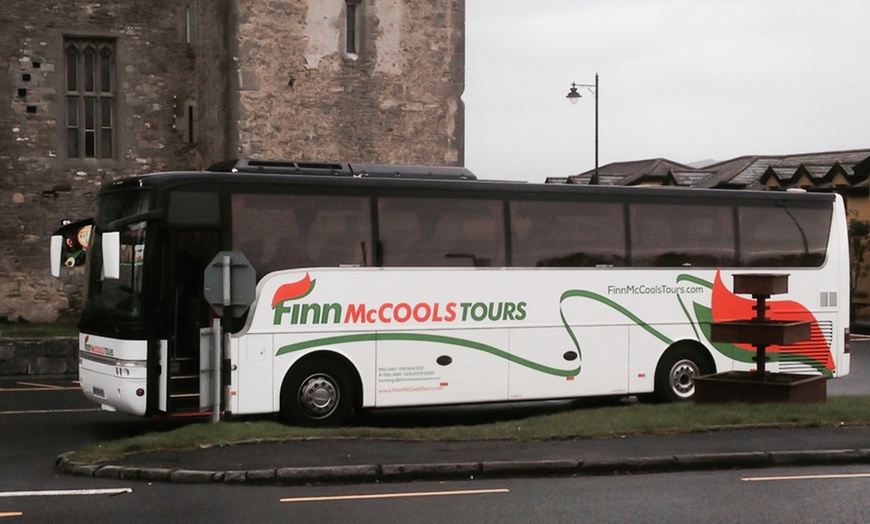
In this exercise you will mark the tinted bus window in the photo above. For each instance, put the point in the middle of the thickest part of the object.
(194, 207)
(570, 234)
(783, 236)
(677, 235)
(289, 231)
(421, 232)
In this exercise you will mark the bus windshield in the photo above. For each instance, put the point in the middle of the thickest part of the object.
(112, 305)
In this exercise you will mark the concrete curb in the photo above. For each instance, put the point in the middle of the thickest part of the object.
(468, 470)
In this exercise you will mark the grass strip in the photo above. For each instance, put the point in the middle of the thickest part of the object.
(585, 423)
(26, 330)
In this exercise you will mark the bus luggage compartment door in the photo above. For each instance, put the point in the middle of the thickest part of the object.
(253, 383)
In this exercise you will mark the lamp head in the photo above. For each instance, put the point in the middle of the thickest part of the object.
(573, 95)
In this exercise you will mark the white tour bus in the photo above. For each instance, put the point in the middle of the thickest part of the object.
(384, 286)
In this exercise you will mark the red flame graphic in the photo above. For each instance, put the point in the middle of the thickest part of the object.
(728, 306)
(297, 289)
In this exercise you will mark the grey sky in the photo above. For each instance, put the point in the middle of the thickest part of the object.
(687, 80)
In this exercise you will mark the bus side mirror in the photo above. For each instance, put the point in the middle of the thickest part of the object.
(112, 255)
(56, 247)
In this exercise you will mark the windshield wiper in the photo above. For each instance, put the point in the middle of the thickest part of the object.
(116, 225)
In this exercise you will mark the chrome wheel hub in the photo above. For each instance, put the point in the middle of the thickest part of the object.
(318, 396)
(683, 378)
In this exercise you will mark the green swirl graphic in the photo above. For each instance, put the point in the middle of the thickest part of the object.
(695, 280)
(437, 339)
(613, 305)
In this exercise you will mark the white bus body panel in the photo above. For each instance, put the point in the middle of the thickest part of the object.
(252, 359)
(112, 370)
(838, 257)
(605, 349)
(409, 372)
(418, 336)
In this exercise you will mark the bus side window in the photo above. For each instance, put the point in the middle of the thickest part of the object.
(779, 236)
(340, 234)
(265, 229)
(682, 235)
(401, 235)
(469, 233)
(282, 231)
(567, 234)
(420, 232)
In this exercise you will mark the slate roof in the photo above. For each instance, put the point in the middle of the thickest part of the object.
(744, 172)
(689, 178)
(630, 173)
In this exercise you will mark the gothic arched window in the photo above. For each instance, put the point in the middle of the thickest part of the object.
(90, 98)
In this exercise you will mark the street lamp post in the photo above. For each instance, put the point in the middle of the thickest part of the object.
(573, 96)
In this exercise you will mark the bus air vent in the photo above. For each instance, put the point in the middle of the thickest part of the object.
(281, 167)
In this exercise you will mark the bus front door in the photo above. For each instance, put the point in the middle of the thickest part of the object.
(187, 254)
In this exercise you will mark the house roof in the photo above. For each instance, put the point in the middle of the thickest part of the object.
(689, 178)
(744, 172)
(631, 173)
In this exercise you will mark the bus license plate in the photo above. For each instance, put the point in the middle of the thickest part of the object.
(99, 393)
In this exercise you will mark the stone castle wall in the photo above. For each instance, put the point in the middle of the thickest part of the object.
(39, 185)
(397, 100)
(206, 80)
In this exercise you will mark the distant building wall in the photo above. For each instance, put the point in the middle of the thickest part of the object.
(394, 97)
(40, 184)
(200, 81)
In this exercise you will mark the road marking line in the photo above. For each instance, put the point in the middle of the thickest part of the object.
(809, 477)
(65, 492)
(397, 495)
(41, 388)
(11, 514)
(45, 411)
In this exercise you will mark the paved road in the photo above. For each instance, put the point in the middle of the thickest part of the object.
(39, 419)
(709, 497)
(819, 494)
(857, 382)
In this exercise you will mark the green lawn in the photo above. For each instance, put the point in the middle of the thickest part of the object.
(27, 330)
(579, 423)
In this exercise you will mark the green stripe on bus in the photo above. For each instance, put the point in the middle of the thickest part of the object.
(437, 339)
(613, 305)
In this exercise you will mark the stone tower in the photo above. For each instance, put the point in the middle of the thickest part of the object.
(98, 90)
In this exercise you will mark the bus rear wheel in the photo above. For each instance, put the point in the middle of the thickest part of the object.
(317, 394)
(676, 372)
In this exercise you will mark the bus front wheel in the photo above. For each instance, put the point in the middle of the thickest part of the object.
(317, 394)
(676, 372)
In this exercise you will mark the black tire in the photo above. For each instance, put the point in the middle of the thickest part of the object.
(317, 393)
(676, 372)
